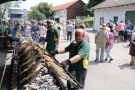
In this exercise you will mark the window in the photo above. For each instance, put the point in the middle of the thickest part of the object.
(101, 20)
(16, 16)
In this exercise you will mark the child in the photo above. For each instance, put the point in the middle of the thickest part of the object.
(116, 34)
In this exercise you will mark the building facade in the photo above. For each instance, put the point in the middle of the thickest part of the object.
(68, 11)
(116, 13)
(60, 15)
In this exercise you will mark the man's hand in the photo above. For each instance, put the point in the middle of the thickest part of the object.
(32, 32)
(54, 52)
(66, 63)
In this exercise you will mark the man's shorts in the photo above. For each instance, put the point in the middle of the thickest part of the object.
(81, 76)
(121, 33)
(41, 39)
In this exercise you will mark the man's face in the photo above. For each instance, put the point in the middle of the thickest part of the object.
(33, 24)
(79, 37)
(128, 21)
(25, 24)
(49, 25)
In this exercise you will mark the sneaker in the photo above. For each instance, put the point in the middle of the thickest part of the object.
(110, 60)
(96, 60)
(106, 59)
(101, 61)
(131, 63)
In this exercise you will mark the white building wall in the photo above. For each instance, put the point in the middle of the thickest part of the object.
(25, 15)
(61, 14)
(110, 13)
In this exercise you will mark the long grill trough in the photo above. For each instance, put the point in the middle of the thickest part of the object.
(33, 68)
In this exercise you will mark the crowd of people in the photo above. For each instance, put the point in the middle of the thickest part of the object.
(37, 30)
(48, 33)
(114, 32)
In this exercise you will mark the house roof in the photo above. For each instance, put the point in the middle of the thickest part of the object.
(113, 3)
(64, 6)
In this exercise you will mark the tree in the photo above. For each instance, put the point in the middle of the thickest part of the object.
(90, 4)
(35, 14)
(15, 4)
(5, 7)
(45, 9)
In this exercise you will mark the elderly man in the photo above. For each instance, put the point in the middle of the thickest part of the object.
(101, 39)
(78, 58)
(52, 37)
(69, 29)
(26, 30)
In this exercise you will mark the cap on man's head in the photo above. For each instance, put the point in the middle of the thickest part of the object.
(49, 21)
(103, 25)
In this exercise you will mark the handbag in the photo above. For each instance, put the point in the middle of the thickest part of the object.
(129, 32)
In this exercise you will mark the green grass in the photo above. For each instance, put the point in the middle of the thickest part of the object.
(89, 20)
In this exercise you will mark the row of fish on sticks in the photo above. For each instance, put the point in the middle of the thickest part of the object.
(31, 55)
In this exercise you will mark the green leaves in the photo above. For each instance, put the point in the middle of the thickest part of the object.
(91, 4)
(35, 14)
(45, 9)
(41, 11)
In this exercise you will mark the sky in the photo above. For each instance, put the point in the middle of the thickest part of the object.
(28, 3)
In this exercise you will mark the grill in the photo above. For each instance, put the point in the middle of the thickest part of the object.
(33, 68)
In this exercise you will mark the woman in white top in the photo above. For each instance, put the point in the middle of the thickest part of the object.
(42, 32)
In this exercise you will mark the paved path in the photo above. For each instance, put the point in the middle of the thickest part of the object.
(118, 75)
(4, 66)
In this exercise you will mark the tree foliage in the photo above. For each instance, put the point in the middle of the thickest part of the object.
(35, 14)
(45, 9)
(90, 4)
(41, 11)
(15, 4)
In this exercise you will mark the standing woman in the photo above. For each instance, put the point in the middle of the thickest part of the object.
(132, 49)
(9, 33)
(109, 45)
(16, 33)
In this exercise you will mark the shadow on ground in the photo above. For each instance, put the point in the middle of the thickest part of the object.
(125, 66)
(93, 63)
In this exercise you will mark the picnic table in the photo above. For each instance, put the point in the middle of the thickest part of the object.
(3, 37)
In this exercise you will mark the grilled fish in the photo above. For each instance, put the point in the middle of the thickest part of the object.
(30, 72)
(32, 78)
(28, 65)
(51, 60)
(22, 48)
(28, 48)
(25, 57)
(28, 59)
(59, 71)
